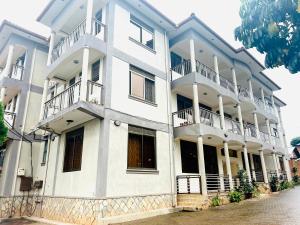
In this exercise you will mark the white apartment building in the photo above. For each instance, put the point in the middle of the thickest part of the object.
(138, 111)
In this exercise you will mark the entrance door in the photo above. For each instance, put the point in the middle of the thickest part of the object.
(210, 159)
(189, 157)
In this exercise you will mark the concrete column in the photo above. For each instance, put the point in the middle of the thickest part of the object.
(84, 76)
(196, 104)
(274, 106)
(256, 125)
(220, 168)
(51, 46)
(275, 164)
(2, 94)
(252, 167)
(269, 130)
(240, 118)
(287, 168)
(250, 90)
(193, 55)
(89, 16)
(263, 166)
(283, 132)
(228, 166)
(9, 61)
(263, 97)
(236, 91)
(201, 165)
(18, 103)
(278, 163)
(44, 98)
(245, 152)
(216, 68)
(221, 109)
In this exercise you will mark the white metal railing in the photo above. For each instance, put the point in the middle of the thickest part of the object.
(264, 137)
(217, 183)
(9, 118)
(210, 118)
(183, 68)
(206, 71)
(70, 96)
(276, 141)
(226, 83)
(16, 72)
(266, 107)
(98, 29)
(244, 92)
(250, 130)
(232, 126)
(188, 184)
(183, 117)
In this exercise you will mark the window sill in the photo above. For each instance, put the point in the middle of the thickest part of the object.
(142, 171)
(142, 100)
(142, 45)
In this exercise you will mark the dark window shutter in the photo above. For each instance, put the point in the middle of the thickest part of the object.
(95, 71)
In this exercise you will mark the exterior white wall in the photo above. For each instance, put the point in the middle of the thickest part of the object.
(120, 95)
(269, 162)
(123, 183)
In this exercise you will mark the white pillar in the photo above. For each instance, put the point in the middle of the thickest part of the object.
(9, 61)
(44, 98)
(201, 165)
(221, 109)
(228, 166)
(263, 166)
(84, 76)
(2, 94)
(236, 91)
(240, 118)
(220, 168)
(275, 164)
(256, 125)
(193, 55)
(252, 167)
(274, 106)
(269, 130)
(216, 68)
(263, 97)
(287, 168)
(196, 104)
(89, 16)
(51, 46)
(250, 90)
(245, 152)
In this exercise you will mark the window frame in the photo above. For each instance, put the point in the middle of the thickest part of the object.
(45, 152)
(131, 70)
(154, 150)
(138, 24)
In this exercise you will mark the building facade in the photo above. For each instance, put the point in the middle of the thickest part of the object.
(137, 112)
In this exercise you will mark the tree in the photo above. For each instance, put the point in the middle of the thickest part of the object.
(3, 128)
(295, 142)
(273, 28)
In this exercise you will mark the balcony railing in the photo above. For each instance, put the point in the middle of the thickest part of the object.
(9, 118)
(210, 118)
(183, 68)
(232, 126)
(206, 71)
(259, 176)
(70, 96)
(226, 84)
(244, 92)
(250, 130)
(188, 184)
(183, 117)
(264, 137)
(276, 140)
(98, 29)
(266, 107)
(217, 183)
(16, 72)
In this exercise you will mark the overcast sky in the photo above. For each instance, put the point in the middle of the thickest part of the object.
(221, 15)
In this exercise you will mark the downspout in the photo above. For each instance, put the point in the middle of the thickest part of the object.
(171, 145)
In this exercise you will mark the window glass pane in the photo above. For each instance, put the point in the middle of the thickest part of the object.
(189, 157)
(135, 32)
(77, 152)
(149, 90)
(95, 71)
(45, 151)
(137, 85)
(134, 151)
(149, 152)
(147, 38)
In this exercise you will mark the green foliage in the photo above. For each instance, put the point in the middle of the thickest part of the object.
(294, 170)
(274, 184)
(3, 128)
(215, 201)
(295, 141)
(245, 187)
(296, 179)
(235, 196)
(285, 185)
(272, 27)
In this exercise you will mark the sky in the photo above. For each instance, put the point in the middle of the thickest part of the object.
(221, 15)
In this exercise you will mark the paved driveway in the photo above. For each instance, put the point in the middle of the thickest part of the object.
(279, 209)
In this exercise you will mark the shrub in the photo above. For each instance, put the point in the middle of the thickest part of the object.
(274, 184)
(245, 187)
(215, 201)
(235, 196)
(283, 185)
(296, 179)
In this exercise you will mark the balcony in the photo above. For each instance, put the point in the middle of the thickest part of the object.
(98, 30)
(210, 75)
(250, 130)
(16, 72)
(69, 108)
(265, 109)
(9, 118)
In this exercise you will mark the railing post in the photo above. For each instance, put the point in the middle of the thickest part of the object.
(228, 166)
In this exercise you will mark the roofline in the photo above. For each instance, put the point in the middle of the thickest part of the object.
(8, 23)
(279, 100)
(45, 10)
(276, 85)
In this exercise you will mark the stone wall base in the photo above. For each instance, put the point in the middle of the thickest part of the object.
(193, 201)
(83, 211)
(264, 188)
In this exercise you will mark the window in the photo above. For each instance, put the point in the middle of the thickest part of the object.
(232, 153)
(45, 150)
(73, 150)
(141, 32)
(142, 84)
(141, 148)
(95, 71)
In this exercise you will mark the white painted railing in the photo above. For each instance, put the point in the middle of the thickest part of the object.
(183, 117)
(232, 126)
(210, 118)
